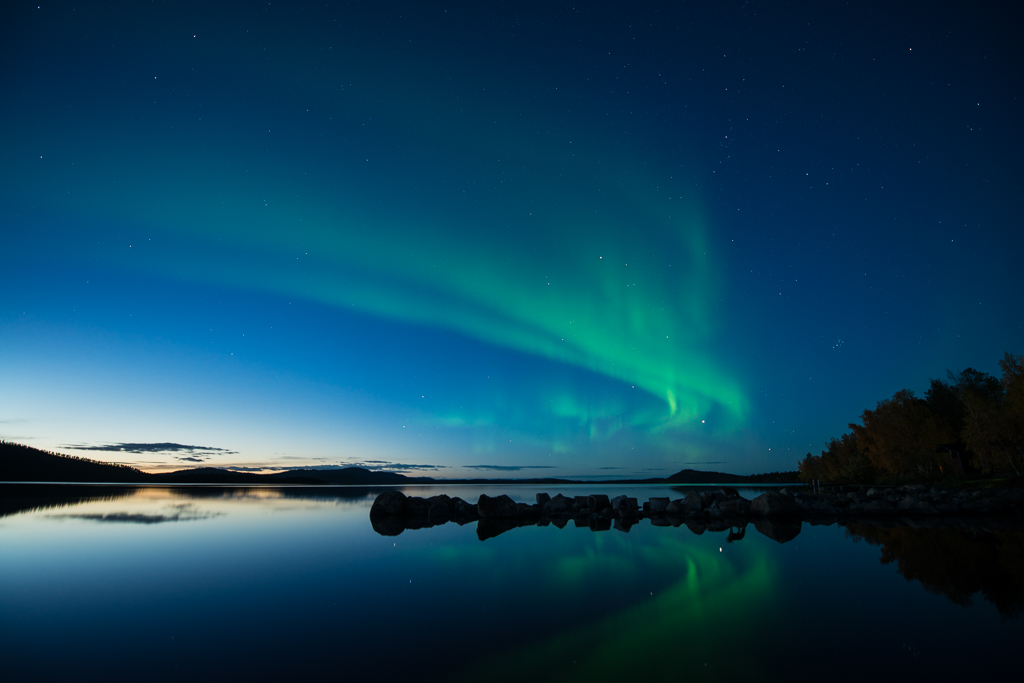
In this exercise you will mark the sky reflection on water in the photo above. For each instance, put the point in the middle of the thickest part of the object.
(265, 583)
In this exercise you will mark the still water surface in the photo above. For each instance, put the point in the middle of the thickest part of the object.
(268, 583)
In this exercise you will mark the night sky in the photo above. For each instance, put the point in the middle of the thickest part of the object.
(498, 239)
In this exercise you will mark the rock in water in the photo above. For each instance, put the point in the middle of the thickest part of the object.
(559, 505)
(732, 507)
(416, 506)
(693, 504)
(774, 504)
(624, 506)
(542, 499)
(658, 505)
(708, 498)
(501, 507)
(527, 511)
(464, 510)
(388, 504)
(440, 510)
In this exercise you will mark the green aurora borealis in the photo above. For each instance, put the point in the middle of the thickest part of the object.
(573, 239)
(619, 285)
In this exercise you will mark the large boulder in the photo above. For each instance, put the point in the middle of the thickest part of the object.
(500, 507)
(730, 507)
(774, 504)
(542, 499)
(463, 511)
(693, 504)
(708, 498)
(388, 504)
(559, 505)
(598, 502)
(527, 511)
(440, 510)
(416, 507)
(657, 506)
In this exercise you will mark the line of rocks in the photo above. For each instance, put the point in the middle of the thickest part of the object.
(776, 514)
(912, 500)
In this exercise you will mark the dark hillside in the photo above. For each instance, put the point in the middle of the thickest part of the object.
(210, 475)
(355, 476)
(24, 463)
(698, 477)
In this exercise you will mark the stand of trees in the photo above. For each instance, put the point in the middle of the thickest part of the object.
(972, 421)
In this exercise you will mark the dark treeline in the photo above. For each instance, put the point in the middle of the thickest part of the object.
(969, 424)
(24, 463)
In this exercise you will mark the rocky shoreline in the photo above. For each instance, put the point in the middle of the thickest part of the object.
(776, 514)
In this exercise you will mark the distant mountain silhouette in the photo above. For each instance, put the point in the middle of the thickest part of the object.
(355, 476)
(19, 463)
(699, 477)
(211, 475)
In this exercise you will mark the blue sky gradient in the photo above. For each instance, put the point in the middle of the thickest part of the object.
(445, 236)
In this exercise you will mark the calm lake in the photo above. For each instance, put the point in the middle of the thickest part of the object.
(187, 583)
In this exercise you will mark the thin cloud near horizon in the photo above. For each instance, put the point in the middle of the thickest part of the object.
(138, 448)
(510, 468)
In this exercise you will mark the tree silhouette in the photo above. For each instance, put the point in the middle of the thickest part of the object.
(973, 414)
(899, 437)
(993, 426)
